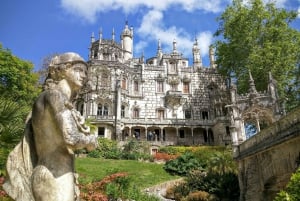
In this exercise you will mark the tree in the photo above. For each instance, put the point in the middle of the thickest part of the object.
(18, 88)
(17, 79)
(292, 191)
(258, 37)
(43, 71)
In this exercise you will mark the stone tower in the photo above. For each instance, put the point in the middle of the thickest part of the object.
(127, 42)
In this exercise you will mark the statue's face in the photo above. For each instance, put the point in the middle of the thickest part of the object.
(76, 75)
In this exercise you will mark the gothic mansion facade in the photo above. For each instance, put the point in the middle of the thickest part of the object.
(162, 99)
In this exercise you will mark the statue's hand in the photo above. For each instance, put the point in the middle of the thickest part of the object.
(93, 143)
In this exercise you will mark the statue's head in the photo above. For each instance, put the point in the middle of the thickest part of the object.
(60, 63)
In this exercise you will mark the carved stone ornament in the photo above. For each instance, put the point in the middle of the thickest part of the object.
(174, 99)
(41, 166)
(173, 80)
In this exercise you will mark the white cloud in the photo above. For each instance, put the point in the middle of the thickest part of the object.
(153, 29)
(88, 9)
(204, 41)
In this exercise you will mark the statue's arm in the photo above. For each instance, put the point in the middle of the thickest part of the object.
(72, 135)
(67, 125)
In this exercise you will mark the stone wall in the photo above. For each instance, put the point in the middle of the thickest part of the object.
(267, 160)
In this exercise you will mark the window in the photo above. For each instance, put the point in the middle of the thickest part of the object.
(160, 86)
(122, 111)
(80, 107)
(160, 114)
(136, 113)
(187, 114)
(105, 110)
(101, 131)
(186, 87)
(227, 131)
(204, 115)
(181, 133)
(104, 80)
(173, 87)
(172, 67)
(136, 86)
(123, 84)
(100, 110)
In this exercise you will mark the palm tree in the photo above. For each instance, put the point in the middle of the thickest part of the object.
(221, 163)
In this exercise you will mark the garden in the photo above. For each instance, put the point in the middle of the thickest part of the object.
(112, 173)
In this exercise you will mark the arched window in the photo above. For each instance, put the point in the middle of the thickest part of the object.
(160, 86)
(105, 80)
(188, 114)
(105, 110)
(122, 111)
(160, 114)
(136, 113)
(123, 84)
(100, 110)
(186, 87)
(135, 86)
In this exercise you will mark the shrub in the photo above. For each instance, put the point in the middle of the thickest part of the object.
(224, 186)
(183, 164)
(292, 191)
(198, 196)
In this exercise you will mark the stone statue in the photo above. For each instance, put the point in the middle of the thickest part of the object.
(41, 167)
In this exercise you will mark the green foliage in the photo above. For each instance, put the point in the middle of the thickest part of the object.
(224, 186)
(183, 164)
(292, 191)
(16, 78)
(221, 163)
(143, 174)
(12, 124)
(107, 149)
(258, 37)
(132, 150)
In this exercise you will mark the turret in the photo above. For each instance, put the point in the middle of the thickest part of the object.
(127, 42)
(159, 51)
(174, 46)
(212, 57)
(91, 53)
(113, 35)
(196, 55)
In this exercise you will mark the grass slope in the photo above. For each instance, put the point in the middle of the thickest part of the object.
(142, 174)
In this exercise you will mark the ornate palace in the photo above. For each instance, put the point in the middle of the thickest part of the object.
(164, 99)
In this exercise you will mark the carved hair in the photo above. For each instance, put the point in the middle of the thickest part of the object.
(58, 66)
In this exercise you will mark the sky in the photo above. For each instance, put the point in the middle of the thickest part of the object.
(35, 29)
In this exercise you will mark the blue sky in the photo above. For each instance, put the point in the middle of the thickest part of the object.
(33, 29)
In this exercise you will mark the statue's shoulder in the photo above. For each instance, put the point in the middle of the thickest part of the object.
(52, 97)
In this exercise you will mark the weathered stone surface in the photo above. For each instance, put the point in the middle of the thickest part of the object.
(267, 160)
(41, 167)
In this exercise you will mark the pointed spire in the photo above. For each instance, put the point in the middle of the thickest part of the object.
(174, 46)
(158, 45)
(92, 37)
(212, 57)
(100, 35)
(252, 88)
(113, 34)
(197, 60)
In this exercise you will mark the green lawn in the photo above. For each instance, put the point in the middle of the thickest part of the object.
(143, 174)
